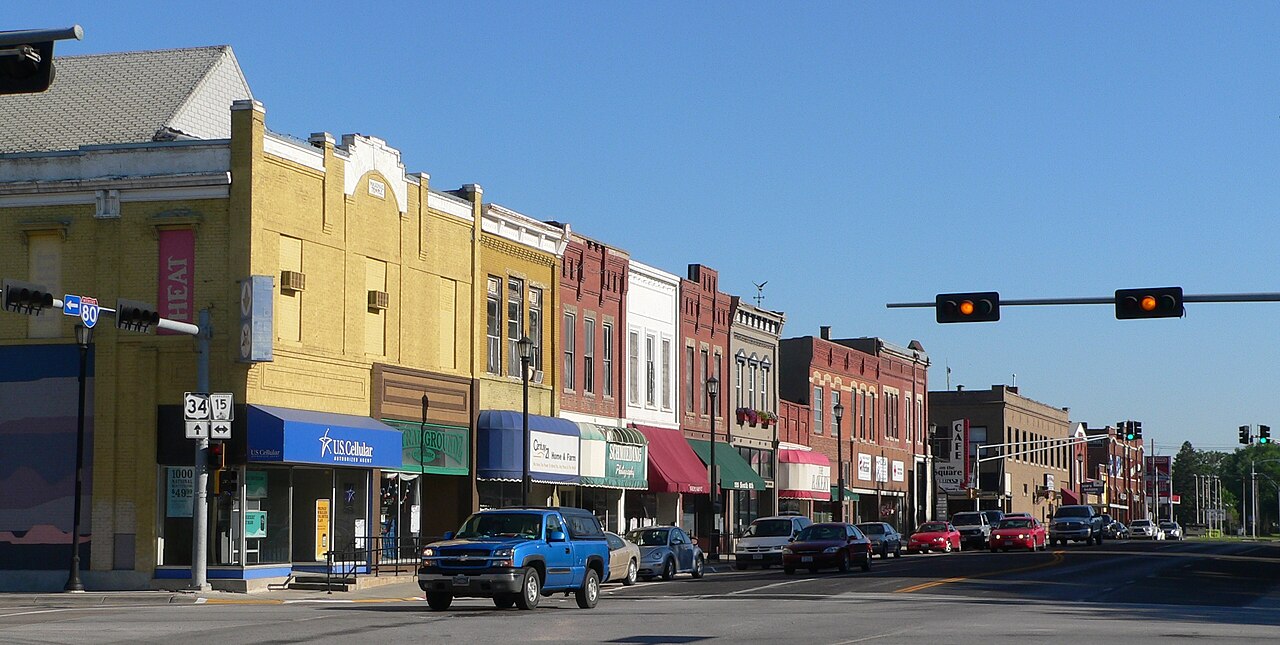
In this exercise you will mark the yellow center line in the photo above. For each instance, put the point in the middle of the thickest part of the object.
(1057, 559)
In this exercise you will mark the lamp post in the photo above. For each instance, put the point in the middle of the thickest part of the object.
(713, 390)
(422, 466)
(838, 411)
(525, 348)
(84, 338)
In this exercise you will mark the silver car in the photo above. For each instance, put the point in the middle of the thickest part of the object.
(624, 559)
(1172, 530)
(1145, 530)
(666, 551)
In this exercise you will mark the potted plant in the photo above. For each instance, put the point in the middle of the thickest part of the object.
(741, 413)
(767, 418)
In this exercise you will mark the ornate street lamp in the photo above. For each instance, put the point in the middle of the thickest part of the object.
(84, 338)
(525, 348)
(713, 390)
(838, 412)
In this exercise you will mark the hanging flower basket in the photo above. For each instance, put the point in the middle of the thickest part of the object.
(741, 413)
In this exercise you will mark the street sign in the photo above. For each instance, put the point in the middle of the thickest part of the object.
(219, 429)
(71, 305)
(89, 311)
(195, 406)
(222, 406)
(197, 429)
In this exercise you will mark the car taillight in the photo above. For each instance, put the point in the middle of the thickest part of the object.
(869, 549)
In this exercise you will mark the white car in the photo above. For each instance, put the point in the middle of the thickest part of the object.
(761, 544)
(1145, 530)
(1172, 530)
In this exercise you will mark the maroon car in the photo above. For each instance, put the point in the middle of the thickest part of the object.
(823, 546)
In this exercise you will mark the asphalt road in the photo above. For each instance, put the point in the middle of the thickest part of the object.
(1117, 592)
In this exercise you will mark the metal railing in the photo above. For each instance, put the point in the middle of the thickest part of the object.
(375, 556)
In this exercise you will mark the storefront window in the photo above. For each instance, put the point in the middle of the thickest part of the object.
(746, 507)
(266, 518)
(399, 516)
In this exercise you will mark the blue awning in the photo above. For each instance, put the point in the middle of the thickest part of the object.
(553, 458)
(286, 435)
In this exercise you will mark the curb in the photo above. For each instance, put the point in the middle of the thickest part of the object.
(97, 599)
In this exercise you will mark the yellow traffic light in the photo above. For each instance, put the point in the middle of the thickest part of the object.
(966, 307)
(1148, 303)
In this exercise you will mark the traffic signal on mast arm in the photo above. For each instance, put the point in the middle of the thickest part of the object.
(1127, 428)
(26, 58)
(1244, 435)
(1264, 434)
(983, 306)
(135, 316)
(1136, 429)
(26, 297)
(1156, 302)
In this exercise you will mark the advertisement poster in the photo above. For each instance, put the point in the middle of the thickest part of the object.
(322, 528)
(255, 524)
(255, 484)
(181, 490)
(177, 266)
(864, 467)
(551, 453)
(899, 471)
(882, 469)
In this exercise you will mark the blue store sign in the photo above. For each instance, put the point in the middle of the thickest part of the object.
(285, 435)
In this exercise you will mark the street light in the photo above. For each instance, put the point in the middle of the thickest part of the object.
(713, 390)
(524, 347)
(838, 411)
(84, 338)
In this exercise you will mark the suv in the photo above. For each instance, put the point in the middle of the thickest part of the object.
(762, 542)
(974, 527)
(1075, 523)
(515, 556)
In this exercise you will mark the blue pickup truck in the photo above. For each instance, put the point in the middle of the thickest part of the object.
(515, 556)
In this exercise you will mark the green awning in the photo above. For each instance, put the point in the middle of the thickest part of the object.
(433, 448)
(735, 472)
(849, 496)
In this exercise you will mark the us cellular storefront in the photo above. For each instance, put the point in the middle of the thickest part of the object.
(298, 485)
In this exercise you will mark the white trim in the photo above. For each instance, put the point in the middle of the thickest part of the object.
(366, 154)
(291, 151)
(449, 206)
(139, 195)
(522, 229)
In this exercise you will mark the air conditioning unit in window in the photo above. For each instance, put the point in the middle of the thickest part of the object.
(293, 281)
(378, 300)
(537, 377)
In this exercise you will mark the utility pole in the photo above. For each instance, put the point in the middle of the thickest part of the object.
(200, 512)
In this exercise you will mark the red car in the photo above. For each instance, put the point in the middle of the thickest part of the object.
(1018, 533)
(832, 544)
(934, 536)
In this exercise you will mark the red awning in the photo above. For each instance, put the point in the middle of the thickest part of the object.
(673, 466)
(803, 474)
(1069, 497)
(789, 456)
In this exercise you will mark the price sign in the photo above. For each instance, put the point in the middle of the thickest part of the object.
(222, 406)
(195, 406)
(198, 429)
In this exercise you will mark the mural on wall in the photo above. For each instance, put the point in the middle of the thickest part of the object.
(40, 391)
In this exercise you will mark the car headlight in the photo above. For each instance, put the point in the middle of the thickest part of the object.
(1022, 536)
(428, 552)
(778, 547)
(653, 555)
(504, 552)
(831, 549)
(787, 550)
(938, 539)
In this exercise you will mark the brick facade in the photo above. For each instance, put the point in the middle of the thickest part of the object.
(593, 288)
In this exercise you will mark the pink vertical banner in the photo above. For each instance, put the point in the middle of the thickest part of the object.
(177, 275)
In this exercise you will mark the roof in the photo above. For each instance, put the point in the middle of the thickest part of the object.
(128, 97)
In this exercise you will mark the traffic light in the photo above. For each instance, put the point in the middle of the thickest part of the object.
(26, 58)
(135, 316)
(1129, 434)
(982, 306)
(1136, 429)
(1264, 434)
(1244, 435)
(217, 455)
(1156, 302)
(26, 297)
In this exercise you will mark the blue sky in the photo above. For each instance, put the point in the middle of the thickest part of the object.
(850, 154)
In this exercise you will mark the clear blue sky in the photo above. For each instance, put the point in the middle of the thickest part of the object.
(851, 155)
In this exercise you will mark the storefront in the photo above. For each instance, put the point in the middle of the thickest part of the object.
(804, 480)
(613, 464)
(553, 456)
(295, 492)
(411, 493)
(736, 476)
(676, 477)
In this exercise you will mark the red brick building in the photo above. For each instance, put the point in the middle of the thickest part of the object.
(1117, 465)
(883, 390)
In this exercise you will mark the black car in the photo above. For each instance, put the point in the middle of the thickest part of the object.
(884, 538)
(1116, 530)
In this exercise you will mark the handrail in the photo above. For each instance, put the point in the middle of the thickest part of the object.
(394, 554)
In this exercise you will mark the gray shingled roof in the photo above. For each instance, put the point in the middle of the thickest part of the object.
(126, 97)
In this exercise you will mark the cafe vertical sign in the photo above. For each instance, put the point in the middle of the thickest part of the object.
(176, 274)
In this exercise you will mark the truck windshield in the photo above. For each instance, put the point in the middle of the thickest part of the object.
(488, 525)
(1072, 511)
(768, 528)
(966, 519)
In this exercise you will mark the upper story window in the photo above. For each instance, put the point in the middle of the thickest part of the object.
(607, 359)
(515, 323)
(816, 404)
(650, 372)
(567, 375)
(690, 381)
(493, 328)
(535, 326)
(766, 403)
(589, 355)
(633, 368)
(666, 373)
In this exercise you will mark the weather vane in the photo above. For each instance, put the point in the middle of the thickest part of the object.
(760, 291)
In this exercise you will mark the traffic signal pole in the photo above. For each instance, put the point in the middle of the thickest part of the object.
(1108, 300)
(200, 509)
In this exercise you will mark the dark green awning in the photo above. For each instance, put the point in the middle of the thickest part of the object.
(735, 473)
(849, 496)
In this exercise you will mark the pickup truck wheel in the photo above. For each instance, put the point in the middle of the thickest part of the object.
(668, 569)
(439, 601)
(530, 589)
(699, 568)
(589, 594)
(631, 575)
(505, 601)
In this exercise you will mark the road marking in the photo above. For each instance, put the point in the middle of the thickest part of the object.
(776, 584)
(871, 638)
(1057, 559)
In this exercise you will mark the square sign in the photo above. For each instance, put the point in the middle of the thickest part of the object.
(220, 430)
(222, 406)
(199, 430)
(195, 406)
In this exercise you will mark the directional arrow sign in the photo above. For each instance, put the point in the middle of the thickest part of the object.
(220, 430)
(200, 430)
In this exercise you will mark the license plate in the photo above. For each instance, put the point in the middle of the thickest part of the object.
(1008, 542)
(757, 556)
(461, 581)
(806, 558)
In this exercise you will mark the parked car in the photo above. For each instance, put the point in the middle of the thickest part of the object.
(666, 551)
(934, 536)
(1172, 530)
(762, 542)
(1020, 533)
(831, 544)
(974, 527)
(1146, 529)
(993, 515)
(624, 559)
(1116, 530)
(1076, 523)
(884, 538)
(515, 556)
